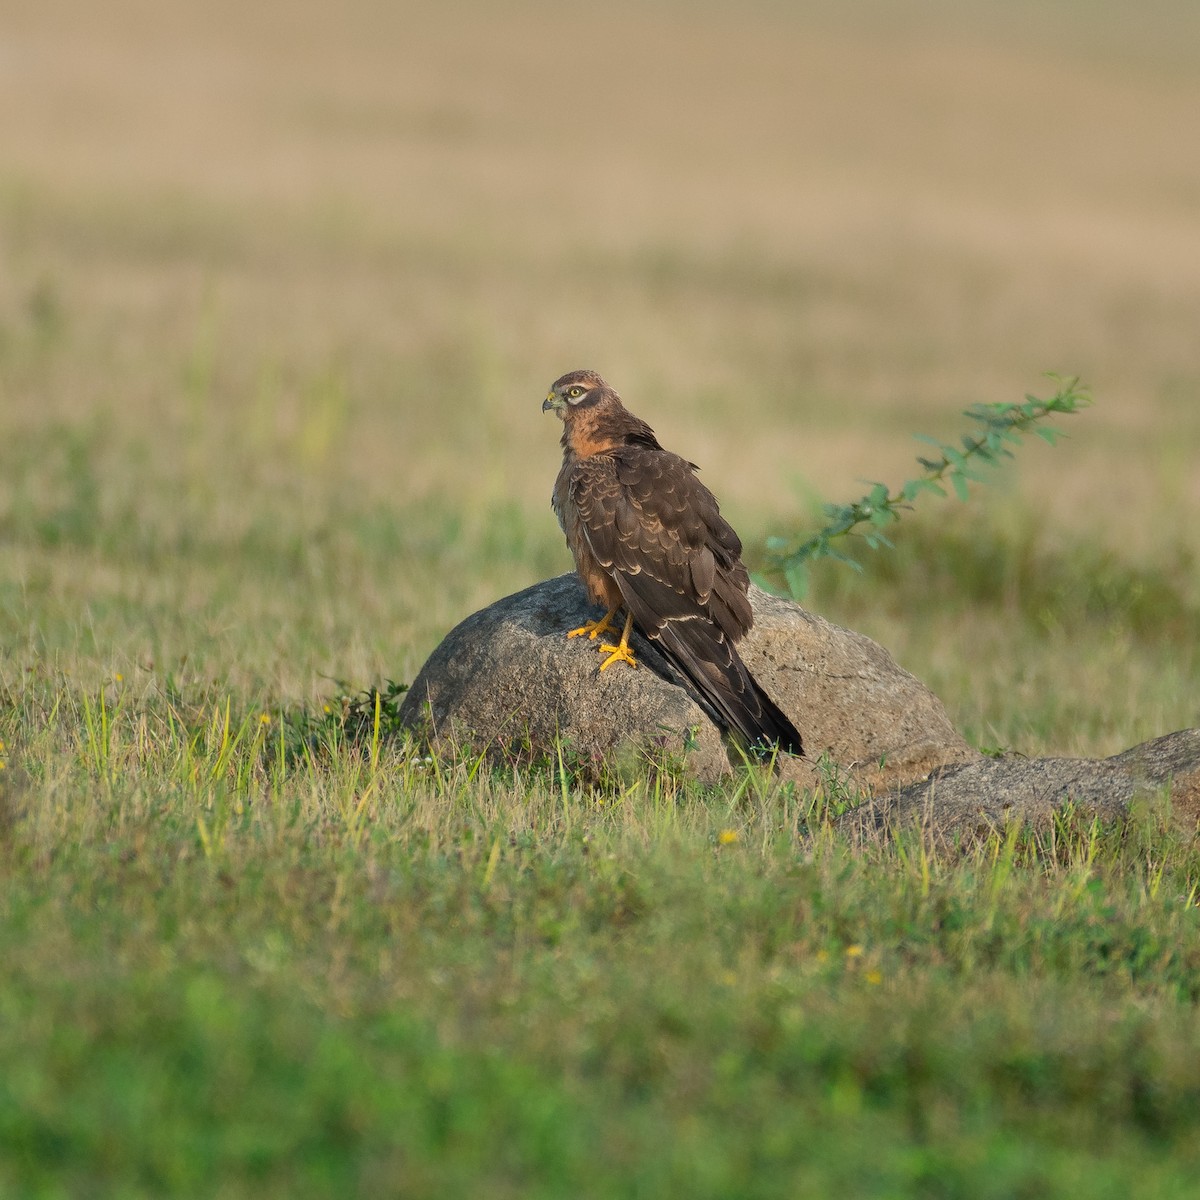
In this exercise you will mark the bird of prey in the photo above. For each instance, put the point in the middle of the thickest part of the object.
(648, 537)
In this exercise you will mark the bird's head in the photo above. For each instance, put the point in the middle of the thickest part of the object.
(576, 391)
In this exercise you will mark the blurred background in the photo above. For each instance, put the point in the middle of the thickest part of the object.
(282, 287)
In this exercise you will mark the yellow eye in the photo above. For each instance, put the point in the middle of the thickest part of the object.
(575, 392)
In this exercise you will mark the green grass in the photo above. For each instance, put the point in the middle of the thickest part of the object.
(367, 973)
(255, 948)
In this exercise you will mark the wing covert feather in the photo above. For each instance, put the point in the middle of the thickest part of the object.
(650, 521)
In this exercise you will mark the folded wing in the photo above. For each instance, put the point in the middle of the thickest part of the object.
(677, 562)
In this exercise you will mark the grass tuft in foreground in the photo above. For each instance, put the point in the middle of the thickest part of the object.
(229, 964)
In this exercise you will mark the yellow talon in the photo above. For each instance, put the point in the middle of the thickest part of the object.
(621, 651)
(594, 628)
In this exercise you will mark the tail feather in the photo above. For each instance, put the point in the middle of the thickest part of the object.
(715, 669)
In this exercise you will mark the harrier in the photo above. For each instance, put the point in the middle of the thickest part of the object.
(648, 537)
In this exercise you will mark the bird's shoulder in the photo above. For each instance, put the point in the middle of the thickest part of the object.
(642, 473)
(651, 500)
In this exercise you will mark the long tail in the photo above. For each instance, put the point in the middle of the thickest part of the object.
(714, 668)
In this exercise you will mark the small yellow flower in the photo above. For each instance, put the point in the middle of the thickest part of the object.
(874, 976)
(855, 951)
(328, 709)
(119, 677)
(727, 837)
(265, 719)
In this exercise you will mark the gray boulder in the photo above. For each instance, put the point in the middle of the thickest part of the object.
(962, 802)
(509, 682)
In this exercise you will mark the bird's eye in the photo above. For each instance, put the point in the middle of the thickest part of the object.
(575, 392)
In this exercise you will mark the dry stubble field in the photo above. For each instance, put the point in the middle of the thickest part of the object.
(265, 266)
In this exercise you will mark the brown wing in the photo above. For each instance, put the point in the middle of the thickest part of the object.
(650, 522)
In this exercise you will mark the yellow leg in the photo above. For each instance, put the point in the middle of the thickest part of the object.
(594, 628)
(621, 651)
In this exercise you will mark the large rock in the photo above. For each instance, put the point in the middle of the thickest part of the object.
(508, 680)
(965, 801)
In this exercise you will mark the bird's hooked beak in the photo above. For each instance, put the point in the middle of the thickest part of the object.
(553, 402)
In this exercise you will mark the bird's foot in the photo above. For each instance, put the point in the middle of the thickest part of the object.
(618, 653)
(594, 629)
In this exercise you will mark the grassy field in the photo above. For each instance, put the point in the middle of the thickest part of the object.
(281, 291)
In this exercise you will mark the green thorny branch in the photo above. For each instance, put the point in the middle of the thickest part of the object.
(1002, 427)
